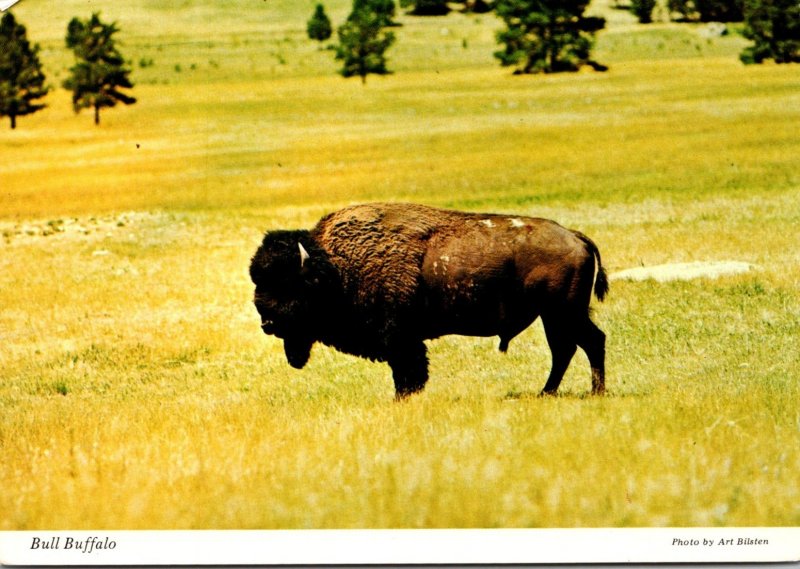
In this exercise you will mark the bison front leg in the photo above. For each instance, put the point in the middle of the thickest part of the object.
(409, 363)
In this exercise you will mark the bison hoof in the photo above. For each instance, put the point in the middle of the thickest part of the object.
(405, 394)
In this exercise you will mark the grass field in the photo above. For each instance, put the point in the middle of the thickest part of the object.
(137, 391)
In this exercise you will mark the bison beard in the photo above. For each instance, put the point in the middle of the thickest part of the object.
(377, 280)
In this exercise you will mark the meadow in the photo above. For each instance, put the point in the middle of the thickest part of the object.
(137, 391)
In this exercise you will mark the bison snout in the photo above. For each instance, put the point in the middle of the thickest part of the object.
(270, 328)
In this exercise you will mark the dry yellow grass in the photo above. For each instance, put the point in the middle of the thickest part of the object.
(137, 391)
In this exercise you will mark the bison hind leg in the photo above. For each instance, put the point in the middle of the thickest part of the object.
(562, 343)
(593, 341)
(564, 335)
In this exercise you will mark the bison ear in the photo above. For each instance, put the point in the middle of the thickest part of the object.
(304, 256)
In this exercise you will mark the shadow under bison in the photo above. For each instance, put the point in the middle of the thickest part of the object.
(377, 280)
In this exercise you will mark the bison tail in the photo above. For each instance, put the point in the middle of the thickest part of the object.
(601, 280)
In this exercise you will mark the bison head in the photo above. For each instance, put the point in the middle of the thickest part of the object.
(295, 288)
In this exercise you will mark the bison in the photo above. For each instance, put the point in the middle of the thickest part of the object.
(377, 280)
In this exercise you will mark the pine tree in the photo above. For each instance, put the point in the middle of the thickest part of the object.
(384, 9)
(774, 27)
(720, 10)
(426, 7)
(478, 6)
(319, 26)
(643, 10)
(546, 36)
(363, 42)
(708, 10)
(100, 71)
(21, 75)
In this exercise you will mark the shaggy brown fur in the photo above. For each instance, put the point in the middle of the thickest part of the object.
(376, 280)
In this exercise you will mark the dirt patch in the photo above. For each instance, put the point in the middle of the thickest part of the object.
(74, 227)
(683, 271)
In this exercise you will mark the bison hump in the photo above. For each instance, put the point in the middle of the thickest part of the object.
(379, 249)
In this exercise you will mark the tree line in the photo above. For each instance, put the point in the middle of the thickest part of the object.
(97, 80)
(548, 36)
(540, 36)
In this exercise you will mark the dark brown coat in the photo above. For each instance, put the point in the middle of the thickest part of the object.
(377, 280)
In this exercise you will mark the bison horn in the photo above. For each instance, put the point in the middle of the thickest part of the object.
(304, 256)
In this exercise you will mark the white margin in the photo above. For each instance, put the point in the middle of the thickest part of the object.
(404, 547)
